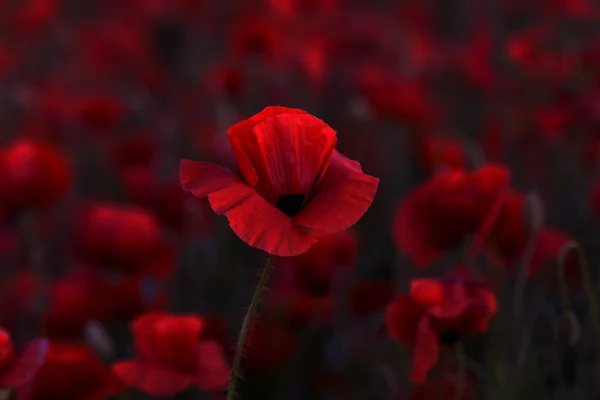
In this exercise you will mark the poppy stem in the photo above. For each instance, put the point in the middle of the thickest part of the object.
(461, 361)
(262, 283)
(587, 283)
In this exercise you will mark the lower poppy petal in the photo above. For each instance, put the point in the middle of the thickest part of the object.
(259, 223)
(202, 178)
(213, 372)
(426, 352)
(26, 366)
(401, 318)
(341, 199)
(150, 379)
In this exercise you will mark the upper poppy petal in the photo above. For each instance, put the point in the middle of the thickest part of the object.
(174, 342)
(142, 329)
(260, 224)
(202, 178)
(151, 379)
(427, 291)
(426, 352)
(283, 154)
(26, 365)
(341, 199)
(401, 318)
(213, 371)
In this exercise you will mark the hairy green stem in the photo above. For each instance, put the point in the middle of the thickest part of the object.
(262, 283)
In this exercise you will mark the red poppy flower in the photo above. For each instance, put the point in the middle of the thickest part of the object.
(33, 175)
(121, 236)
(437, 312)
(72, 372)
(438, 216)
(19, 371)
(171, 356)
(295, 185)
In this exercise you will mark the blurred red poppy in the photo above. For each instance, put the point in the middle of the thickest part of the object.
(101, 113)
(295, 184)
(171, 356)
(33, 175)
(72, 372)
(18, 371)
(439, 215)
(118, 235)
(437, 312)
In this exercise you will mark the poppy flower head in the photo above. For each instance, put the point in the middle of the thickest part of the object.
(295, 186)
(172, 356)
(72, 371)
(168, 340)
(118, 234)
(439, 215)
(33, 175)
(437, 312)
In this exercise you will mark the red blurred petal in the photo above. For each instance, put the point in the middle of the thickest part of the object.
(26, 365)
(402, 317)
(288, 153)
(202, 178)
(426, 352)
(213, 371)
(427, 291)
(342, 197)
(151, 379)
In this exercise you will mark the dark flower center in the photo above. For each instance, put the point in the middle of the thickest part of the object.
(290, 204)
(448, 337)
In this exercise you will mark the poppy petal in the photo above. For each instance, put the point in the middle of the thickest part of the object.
(426, 352)
(27, 365)
(260, 224)
(202, 178)
(213, 371)
(402, 317)
(150, 379)
(143, 333)
(342, 198)
(288, 154)
(427, 291)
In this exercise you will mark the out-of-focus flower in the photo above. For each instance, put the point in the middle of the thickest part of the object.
(117, 235)
(33, 175)
(18, 371)
(435, 313)
(439, 215)
(71, 371)
(295, 183)
(171, 357)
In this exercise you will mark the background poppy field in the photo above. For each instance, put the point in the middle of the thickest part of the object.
(481, 120)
